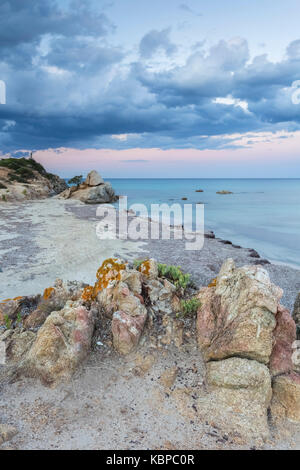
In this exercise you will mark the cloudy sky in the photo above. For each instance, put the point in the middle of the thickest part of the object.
(139, 88)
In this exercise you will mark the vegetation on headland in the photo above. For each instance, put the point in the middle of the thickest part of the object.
(23, 170)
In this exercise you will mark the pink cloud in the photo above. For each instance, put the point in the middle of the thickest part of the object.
(254, 155)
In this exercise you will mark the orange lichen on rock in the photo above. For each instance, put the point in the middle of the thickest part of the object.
(18, 298)
(144, 268)
(6, 300)
(87, 293)
(109, 271)
(213, 283)
(48, 292)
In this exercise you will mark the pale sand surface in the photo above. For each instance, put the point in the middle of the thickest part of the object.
(110, 403)
(42, 240)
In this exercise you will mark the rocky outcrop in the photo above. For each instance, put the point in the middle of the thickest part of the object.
(240, 389)
(126, 331)
(247, 340)
(61, 344)
(25, 179)
(281, 360)
(246, 337)
(32, 311)
(92, 191)
(13, 310)
(286, 397)
(237, 316)
(18, 342)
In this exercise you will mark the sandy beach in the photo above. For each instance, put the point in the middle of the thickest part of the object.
(52, 238)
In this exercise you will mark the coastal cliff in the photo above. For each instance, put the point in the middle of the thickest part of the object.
(25, 179)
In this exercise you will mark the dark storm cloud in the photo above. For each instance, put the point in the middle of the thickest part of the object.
(25, 21)
(70, 84)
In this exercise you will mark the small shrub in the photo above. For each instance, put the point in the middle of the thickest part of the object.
(24, 192)
(190, 307)
(76, 180)
(19, 319)
(4, 197)
(7, 322)
(175, 275)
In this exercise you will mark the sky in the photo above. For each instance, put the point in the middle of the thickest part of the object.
(168, 88)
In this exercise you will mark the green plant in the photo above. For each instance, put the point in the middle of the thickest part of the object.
(24, 192)
(7, 322)
(75, 180)
(19, 318)
(189, 307)
(3, 197)
(24, 169)
(174, 274)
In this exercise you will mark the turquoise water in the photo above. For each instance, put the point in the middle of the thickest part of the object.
(262, 213)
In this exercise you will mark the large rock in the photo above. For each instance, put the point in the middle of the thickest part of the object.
(149, 268)
(161, 294)
(281, 360)
(94, 179)
(62, 343)
(17, 308)
(296, 315)
(93, 191)
(17, 343)
(129, 319)
(126, 331)
(239, 393)
(286, 397)
(53, 299)
(237, 315)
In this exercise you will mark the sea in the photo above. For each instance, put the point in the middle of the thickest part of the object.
(263, 214)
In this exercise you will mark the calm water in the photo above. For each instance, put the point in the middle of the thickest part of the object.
(262, 213)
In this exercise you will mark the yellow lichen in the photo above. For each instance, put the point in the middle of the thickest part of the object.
(109, 271)
(213, 283)
(48, 292)
(87, 293)
(145, 267)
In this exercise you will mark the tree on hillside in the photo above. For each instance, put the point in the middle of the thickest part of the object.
(75, 180)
